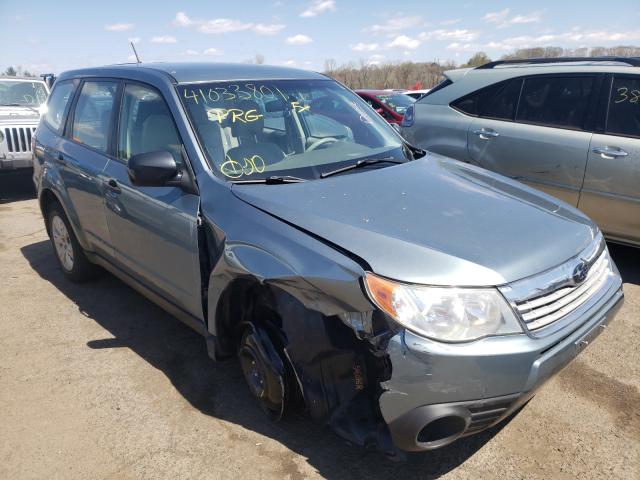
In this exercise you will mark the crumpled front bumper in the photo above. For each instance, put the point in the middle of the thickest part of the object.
(439, 392)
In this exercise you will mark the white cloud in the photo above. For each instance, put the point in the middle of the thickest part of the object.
(132, 58)
(269, 29)
(365, 47)
(396, 24)
(191, 52)
(164, 39)
(452, 21)
(448, 35)
(299, 39)
(212, 51)
(318, 7)
(119, 27)
(402, 41)
(289, 62)
(225, 25)
(182, 20)
(504, 19)
(134, 39)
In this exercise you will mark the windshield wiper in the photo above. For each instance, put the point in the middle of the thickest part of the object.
(273, 180)
(360, 164)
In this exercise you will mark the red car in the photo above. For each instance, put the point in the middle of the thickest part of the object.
(391, 105)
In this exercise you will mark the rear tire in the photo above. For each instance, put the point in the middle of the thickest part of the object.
(70, 255)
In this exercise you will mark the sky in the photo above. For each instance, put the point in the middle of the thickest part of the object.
(53, 36)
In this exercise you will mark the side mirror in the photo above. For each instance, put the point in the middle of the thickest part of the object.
(152, 169)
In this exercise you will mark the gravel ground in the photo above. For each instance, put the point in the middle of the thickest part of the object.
(97, 382)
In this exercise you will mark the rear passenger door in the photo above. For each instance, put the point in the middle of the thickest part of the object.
(82, 155)
(153, 229)
(611, 192)
(533, 130)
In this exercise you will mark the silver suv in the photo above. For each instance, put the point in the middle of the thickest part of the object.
(403, 298)
(568, 126)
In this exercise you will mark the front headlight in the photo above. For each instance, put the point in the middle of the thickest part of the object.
(444, 313)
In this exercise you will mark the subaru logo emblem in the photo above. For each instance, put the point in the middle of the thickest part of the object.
(580, 272)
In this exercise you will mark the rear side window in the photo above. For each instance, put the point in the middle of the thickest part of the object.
(623, 117)
(57, 104)
(92, 116)
(146, 124)
(555, 101)
(503, 105)
(497, 101)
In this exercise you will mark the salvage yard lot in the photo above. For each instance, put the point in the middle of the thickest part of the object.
(97, 382)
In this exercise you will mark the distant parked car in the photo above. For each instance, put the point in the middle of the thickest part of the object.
(21, 100)
(417, 94)
(567, 126)
(389, 104)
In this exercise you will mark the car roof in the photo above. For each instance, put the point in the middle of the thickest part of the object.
(189, 72)
(24, 79)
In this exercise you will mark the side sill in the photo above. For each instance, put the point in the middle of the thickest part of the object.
(159, 300)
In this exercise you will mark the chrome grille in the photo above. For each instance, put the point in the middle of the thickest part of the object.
(540, 311)
(19, 139)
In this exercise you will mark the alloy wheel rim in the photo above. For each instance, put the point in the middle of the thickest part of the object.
(62, 242)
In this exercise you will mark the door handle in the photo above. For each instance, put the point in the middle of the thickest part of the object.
(61, 159)
(610, 152)
(112, 185)
(486, 133)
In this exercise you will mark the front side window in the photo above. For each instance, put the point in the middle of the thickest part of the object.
(623, 117)
(496, 101)
(21, 93)
(57, 104)
(92, 116)
(555, 101)
(146, 124)
(302, 128)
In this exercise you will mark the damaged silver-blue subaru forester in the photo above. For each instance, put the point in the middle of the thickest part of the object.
(401, 297)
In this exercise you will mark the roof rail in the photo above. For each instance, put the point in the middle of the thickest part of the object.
(631, 61)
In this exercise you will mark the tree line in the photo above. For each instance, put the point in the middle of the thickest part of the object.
(417, 75)
(17, 72)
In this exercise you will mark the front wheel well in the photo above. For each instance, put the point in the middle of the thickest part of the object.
(245, 300)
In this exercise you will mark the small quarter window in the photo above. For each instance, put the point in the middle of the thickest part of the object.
(57, 104)
(624, 107)
(92, 116)
(555, 101)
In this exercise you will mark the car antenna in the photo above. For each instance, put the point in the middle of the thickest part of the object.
(135, 53)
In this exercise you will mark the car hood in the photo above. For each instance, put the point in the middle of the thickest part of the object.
(433, 221)
(15, 115)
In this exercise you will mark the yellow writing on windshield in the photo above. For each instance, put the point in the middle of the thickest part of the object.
(249, 165)
(233, 114)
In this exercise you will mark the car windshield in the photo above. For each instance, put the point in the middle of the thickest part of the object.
(253, 130)
(398, 102)
(22, 93)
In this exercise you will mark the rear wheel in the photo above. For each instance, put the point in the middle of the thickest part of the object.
(70, 255)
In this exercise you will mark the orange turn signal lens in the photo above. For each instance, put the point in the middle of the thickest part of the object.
(381, 292)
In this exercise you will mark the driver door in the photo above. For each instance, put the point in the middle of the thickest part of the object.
(153, 229)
